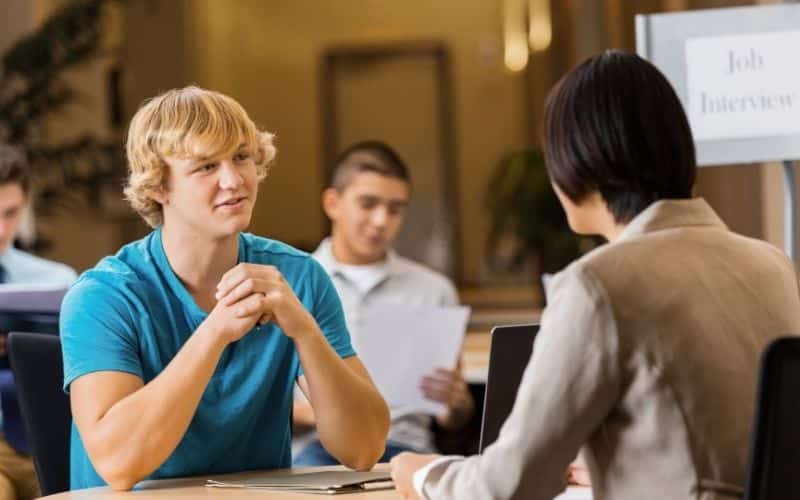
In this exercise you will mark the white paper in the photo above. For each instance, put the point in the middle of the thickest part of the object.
(742, 86)
(399, 344)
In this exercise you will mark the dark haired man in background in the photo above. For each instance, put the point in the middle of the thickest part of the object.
(366, 202)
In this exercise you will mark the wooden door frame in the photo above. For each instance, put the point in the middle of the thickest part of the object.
(329, 132)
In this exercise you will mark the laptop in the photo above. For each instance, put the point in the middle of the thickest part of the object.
(510, 352)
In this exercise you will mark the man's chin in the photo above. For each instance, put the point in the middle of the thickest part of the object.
(372, 255)
(230, 228)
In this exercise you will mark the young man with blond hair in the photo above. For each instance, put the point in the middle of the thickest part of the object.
(181, 351)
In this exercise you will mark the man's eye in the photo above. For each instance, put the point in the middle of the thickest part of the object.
(240, 157)
(207, 167)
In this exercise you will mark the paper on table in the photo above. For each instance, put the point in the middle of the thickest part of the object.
(399, 344)
(312, 482)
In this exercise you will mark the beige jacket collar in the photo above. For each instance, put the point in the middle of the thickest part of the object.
(669, 214)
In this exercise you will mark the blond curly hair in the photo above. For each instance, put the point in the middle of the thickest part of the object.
(178, 123)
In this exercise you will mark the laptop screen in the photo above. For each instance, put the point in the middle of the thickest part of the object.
(510, 352)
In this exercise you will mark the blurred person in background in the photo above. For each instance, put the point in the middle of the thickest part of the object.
(17, 475)
(366, 203)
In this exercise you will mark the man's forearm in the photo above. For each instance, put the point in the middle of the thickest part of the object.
(352, 418)
(139, 432)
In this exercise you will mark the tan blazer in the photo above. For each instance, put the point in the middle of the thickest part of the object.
(647, 357)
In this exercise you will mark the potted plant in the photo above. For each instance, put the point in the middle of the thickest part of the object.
(32, 87)
(528, 227)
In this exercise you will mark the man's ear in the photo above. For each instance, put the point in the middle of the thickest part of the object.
(160, 195)
(330, 202)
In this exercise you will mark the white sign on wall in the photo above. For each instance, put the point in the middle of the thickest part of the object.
(743, 86)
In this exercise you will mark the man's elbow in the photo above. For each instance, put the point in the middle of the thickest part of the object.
(121, 484)
(118, 480)
(373, 448)
(368, 451)
(382, 422)
(117, 473)
(366, 458)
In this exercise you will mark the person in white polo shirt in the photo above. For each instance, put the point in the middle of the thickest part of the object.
(366, 202)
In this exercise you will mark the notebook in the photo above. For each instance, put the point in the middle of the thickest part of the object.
(326, 482)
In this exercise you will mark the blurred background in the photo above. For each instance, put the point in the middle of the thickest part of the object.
(457, 86)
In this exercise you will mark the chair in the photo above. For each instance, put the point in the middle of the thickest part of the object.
(774, 461)
(36, 361)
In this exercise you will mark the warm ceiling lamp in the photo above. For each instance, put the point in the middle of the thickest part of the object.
(514, 35)
(526, 26)
(540, 28)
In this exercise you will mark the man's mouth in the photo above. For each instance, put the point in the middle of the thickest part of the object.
(230, 202)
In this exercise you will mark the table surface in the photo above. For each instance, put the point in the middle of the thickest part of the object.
(194, 487)
(475, 361)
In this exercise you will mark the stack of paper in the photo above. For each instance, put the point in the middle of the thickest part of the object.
(328, 482)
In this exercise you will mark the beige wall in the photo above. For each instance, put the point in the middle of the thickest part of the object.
(266, 54)
(16, 20)
(81, 233)
(78, 234)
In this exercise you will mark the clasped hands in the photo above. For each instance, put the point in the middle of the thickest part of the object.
(251, 294)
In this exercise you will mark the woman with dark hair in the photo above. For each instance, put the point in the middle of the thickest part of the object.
(648, 352)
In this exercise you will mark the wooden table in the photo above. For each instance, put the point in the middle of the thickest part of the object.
(194, 487)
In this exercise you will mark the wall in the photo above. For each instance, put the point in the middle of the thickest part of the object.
(266, 54)
(80, 233)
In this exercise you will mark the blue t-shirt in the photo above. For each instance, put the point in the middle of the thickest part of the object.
(130, 313)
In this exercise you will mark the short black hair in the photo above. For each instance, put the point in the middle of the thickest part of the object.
(615, 125)
(385, 161)
(14, 169)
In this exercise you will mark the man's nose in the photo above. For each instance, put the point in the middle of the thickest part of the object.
(380, 216)
(230, 177)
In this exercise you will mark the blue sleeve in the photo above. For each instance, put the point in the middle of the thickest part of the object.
(327, 311)
(98, 330)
